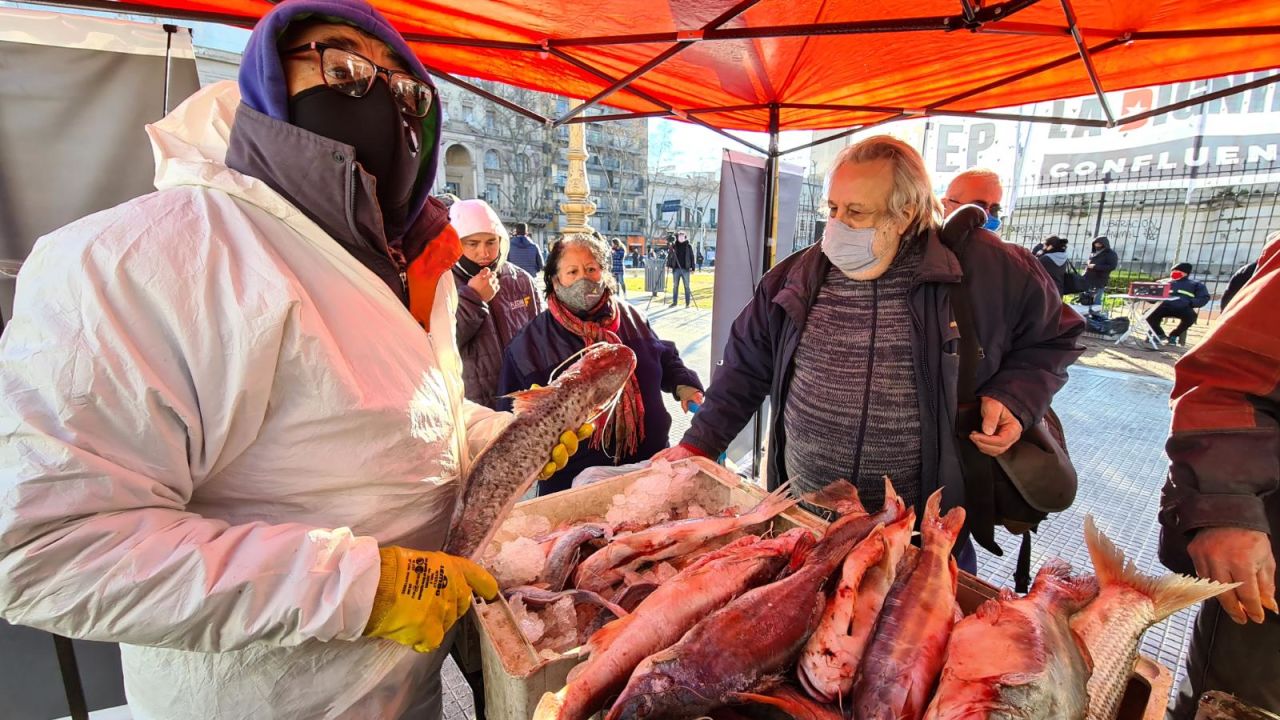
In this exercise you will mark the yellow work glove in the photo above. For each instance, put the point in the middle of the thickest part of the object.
(422, 594)
(565, 449)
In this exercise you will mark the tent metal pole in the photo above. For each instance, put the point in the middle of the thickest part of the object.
(844, 134)
(1088, 62)
(1029, 72)
(651, 99)
(770, 242)
(514, 107)
(620, 116)
(683, 42)
(169, 30)
(1199, 99)
(630, 77)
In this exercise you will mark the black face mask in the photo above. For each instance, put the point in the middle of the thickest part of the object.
(471, 268)
(386, 142)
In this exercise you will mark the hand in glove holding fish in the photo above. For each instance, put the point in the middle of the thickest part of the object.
(1236, 555)
(565, 449)
(421, 595)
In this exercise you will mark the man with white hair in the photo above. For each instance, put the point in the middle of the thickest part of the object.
(855, 342)
(976, 186)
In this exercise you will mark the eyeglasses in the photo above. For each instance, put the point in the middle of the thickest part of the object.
(353, 74)
(992, 210)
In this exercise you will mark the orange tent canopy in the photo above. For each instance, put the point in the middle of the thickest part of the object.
(812, 64)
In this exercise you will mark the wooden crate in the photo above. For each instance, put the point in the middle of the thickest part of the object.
(516, 678)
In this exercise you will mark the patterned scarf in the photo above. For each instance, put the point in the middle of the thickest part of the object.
(626, 424)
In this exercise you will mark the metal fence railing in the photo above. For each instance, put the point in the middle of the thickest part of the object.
(1217, 221)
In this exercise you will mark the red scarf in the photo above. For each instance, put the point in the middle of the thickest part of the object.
(626, 424)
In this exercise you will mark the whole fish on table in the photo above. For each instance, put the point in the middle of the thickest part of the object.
(898, 672)
(1016, 657)
(608, 565)
(670, 610)
(1128, 603)
(748, 645)
(507, 467)
(564, 554)
(831, 657)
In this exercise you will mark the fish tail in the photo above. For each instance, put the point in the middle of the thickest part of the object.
(1169, 593)
(839, 496)
(938, 529)
(776, 502)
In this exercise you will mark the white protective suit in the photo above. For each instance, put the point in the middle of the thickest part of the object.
(211, 416)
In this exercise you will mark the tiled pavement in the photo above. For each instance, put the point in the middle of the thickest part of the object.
(1116, 425)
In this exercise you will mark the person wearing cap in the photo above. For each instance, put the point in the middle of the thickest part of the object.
(1054, 260)
(495, 298)
(233, 420)
(1186, 295)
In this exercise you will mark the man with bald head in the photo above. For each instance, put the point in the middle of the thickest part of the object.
(976, 186)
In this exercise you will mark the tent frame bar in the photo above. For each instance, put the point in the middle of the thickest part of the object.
(492, 97)
(683, 43)
(1087, 59)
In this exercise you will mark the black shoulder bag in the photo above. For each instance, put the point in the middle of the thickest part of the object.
(1021, 487)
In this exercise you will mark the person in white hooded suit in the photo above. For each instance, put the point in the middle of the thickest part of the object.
(229, 417)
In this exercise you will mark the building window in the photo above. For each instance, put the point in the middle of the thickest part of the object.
(522, 163)
(491, 193)
(713, 217)
(491, 160)
(562, 106)
(468, 113)
(490, 120)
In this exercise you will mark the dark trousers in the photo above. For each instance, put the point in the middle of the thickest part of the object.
(621, 278)
(1243, 660)
(1186, 317)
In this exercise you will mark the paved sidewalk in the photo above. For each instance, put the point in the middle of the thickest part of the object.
(1116, 425)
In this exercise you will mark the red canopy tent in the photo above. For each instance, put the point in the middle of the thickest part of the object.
(770, 65)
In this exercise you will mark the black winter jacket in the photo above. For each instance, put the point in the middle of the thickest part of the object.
(1027, 336)
(1104, 262)
(680, 257)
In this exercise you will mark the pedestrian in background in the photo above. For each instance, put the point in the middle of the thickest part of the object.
(1220, 508)
(619, 271)
(1054, 260)
(680, 260)
(524, 253)
(1102, 262)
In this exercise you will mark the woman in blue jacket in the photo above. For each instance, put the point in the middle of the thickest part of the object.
(582, 310)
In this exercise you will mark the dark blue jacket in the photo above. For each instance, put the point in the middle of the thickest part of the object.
(1187, 293)
(525, 255)
(1027, 337)
(544, 344)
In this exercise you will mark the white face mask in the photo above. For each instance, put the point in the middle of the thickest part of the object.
(849, 249)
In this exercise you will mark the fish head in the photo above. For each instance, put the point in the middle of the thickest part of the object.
(603, 370)
(652, 696)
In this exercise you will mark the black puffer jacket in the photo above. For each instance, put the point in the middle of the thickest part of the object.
(1104, 261)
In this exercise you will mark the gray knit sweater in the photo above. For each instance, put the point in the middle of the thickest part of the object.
(852, 410)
